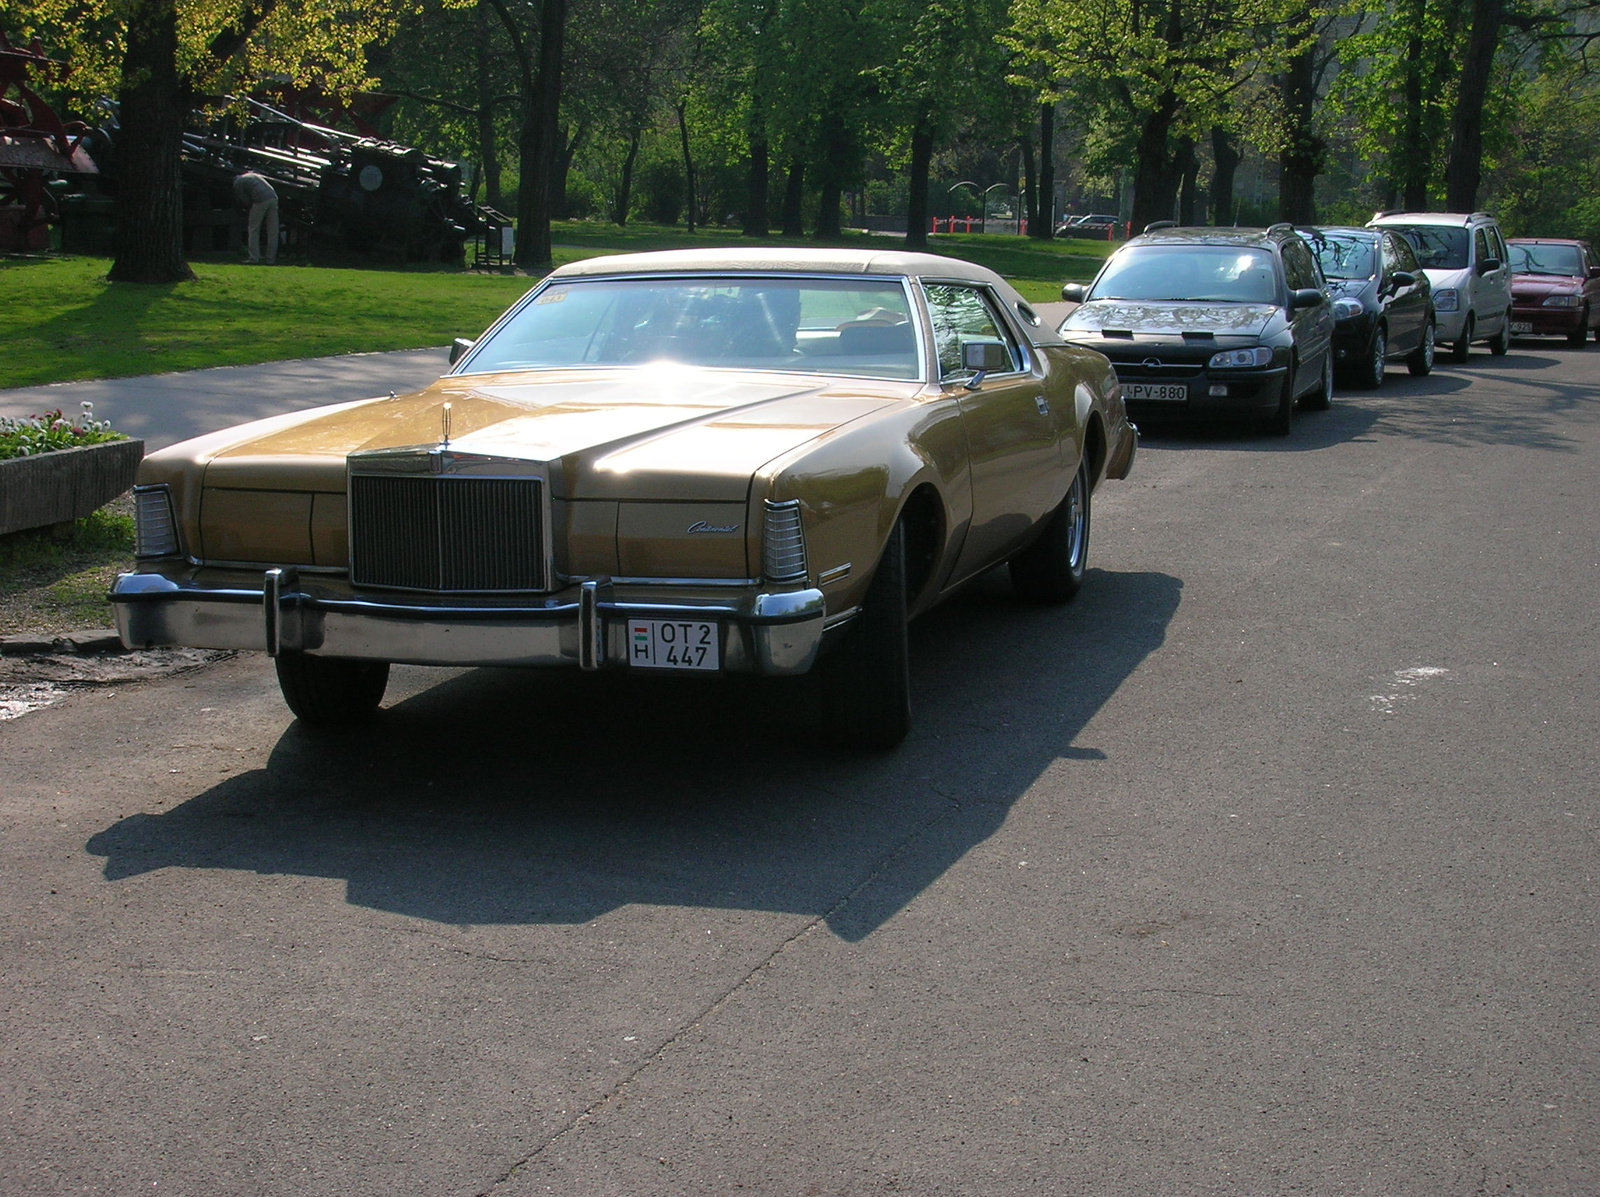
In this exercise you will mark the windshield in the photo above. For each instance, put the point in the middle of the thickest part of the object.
(1189, 273)
(1344, 256)
(1437, 248)
(818, 326)
(1562, 260)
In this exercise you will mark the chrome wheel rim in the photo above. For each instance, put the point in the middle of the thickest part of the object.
(1380, 354)
(1075, 513)
(1428, 346)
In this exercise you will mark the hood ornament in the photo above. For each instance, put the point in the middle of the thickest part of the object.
(445, 417)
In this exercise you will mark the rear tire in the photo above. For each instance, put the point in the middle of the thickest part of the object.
(866, 681)
(1051, 569)
(1420, 359)
(331, 691)
(1463, 346)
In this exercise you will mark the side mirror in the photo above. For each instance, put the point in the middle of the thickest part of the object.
(458, 349)
(1594, 272)
(1402, 278)
(1305, 297)
(1488, 264)
(984, 357)
(1074, 292)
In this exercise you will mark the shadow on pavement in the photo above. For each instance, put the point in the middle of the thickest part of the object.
(502, 796)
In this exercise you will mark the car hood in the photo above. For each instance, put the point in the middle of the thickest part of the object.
(1116, 317)
(654, 433)
(1540, 285)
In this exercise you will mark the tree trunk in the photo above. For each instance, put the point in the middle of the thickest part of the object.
(625, 188)
(1301, 159)
(1154, 188)
(830, 184)
(1186, 164)
(488, 143)
(917, 184)
(1464, 171)
(794, 194)
(539, 142)
(1226, 156)
(153, 101)
(1042, 225)
(564, 156)
(755, 198)
(1030, 179)
(688, 165)
(1413, 159)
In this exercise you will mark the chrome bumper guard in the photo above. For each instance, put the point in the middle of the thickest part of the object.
(770, 634)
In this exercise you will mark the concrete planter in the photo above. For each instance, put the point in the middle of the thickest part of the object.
(68, 484)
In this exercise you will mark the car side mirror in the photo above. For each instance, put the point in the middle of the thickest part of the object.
(984, 357)
(1073, 292)
(1402, 278)
(1594, 272)
(1488, 264)
(458, 349)
(1305, 297)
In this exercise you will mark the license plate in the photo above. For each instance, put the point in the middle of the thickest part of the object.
(673, 644)
(1521, 326)
(1155, 390)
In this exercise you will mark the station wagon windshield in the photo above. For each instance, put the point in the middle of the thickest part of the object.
(1189, 273)
(815, 326)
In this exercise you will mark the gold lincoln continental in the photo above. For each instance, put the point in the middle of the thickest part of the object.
(759, 461)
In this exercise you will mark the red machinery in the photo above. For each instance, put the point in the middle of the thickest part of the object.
(34, 142)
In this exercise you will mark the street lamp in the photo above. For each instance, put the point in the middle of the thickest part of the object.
(975, 190)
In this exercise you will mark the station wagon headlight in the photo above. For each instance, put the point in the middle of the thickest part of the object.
(155, 527)
(1240, 359)
(783, 543)
(1446, 299)
(1563, 301)
(1346, 309)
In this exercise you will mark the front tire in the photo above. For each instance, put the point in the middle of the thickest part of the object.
(1371, 376)
(1501, 344)
(331, 691)
(866, 681)
(1051, 569)
(1579, 336)
(1420, 360)
(1322, 398)
(1281, 421)
(1459, 350)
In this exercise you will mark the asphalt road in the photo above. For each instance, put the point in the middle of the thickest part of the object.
(1269, 866)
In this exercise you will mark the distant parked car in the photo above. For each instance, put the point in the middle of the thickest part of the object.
(1465, 259)
(1095, 226)
(1382, 301)
(1202, 323)
(1555, 288)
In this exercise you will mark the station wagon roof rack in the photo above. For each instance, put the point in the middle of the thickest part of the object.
(1282, 226)
(1155, 226)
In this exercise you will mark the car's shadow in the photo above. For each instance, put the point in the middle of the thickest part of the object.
(1441, 408)
(501, 796)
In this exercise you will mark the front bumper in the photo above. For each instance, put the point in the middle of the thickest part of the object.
(584, 625)
(1546, 322)
(1241, 392)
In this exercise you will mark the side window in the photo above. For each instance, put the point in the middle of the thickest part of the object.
(1404, 258)
(960, 314)
(1480, 247)
(1298, 266)
(1498, 244)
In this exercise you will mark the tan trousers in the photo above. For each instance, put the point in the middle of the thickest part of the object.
(264, 214)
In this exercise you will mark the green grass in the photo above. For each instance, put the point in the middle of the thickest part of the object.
(62, 321)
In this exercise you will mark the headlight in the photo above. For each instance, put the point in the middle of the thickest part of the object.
(1237, 359)
(1346, 309)
(783, 543)
(1445, 299)
(1563, 301)
(155, 528)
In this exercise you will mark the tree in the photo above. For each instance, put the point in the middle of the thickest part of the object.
(159, 55)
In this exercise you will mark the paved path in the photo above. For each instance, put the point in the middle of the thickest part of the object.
(166, 408)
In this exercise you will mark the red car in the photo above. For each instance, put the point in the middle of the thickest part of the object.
(1555, 288)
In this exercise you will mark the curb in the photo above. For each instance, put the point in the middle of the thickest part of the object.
(95, 640)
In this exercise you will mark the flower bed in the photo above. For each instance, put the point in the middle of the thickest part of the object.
(54, 470)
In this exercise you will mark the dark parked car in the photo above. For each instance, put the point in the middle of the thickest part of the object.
(1382, 301)
(1211, 322)
(1555, 288)
(1099, 226)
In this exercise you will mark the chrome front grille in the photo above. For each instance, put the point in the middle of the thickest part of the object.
(449, 533)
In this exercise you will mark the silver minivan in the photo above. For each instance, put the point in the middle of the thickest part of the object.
(1465, 258)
